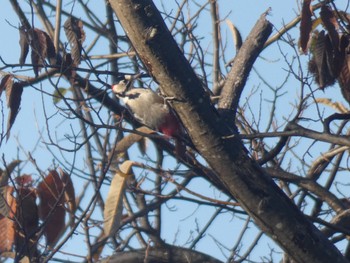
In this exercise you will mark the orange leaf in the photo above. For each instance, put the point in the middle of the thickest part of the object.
(69, 193)
(7, 228)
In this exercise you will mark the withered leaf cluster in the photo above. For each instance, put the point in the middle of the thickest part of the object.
(329, 47)
(20, 213)
(41, 45)
(42, 48)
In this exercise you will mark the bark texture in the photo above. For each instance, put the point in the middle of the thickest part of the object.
(241, 68)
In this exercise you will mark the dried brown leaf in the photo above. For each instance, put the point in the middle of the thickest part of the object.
(41, 45)
(69, 193)
(24, 181)
(13, 94)
(344, 79)
(4, 174)
(338, 106)
(305, 25)
(4, 204)
(7, 227)
(51, 206)
(39, 49)
(3, 184)
(334, 60)
(331, 24)
(336, 47)
(322, 64)
(27, 210)
(124, 144)
(24, 45)
(6, 82)
(27, 222)
(97, 247)
(20, 224)
(51, 50)
(114, 202)
(76, 36)
(237, 38)
(4, 177)
(142, 145)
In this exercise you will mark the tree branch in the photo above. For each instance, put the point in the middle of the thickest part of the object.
(241, 67)
(169, 254)
(257, 193)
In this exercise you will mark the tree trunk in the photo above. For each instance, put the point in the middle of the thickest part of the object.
(218, 143)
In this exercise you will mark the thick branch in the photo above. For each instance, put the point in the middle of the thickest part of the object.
(170, 254)
(294, 129)
(241, 67)
(262, 199)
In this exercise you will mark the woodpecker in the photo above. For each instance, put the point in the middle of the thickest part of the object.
(151, 110)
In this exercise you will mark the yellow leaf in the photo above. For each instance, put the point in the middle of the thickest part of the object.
(114, 203)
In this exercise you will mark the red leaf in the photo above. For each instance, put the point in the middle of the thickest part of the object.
(51, 207)
(305, 25)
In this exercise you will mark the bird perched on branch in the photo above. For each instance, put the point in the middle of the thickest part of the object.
(151, 110)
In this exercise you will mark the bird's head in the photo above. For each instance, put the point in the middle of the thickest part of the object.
(120, 88)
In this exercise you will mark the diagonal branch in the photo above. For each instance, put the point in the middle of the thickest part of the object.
(241, 67)
(271, 209)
